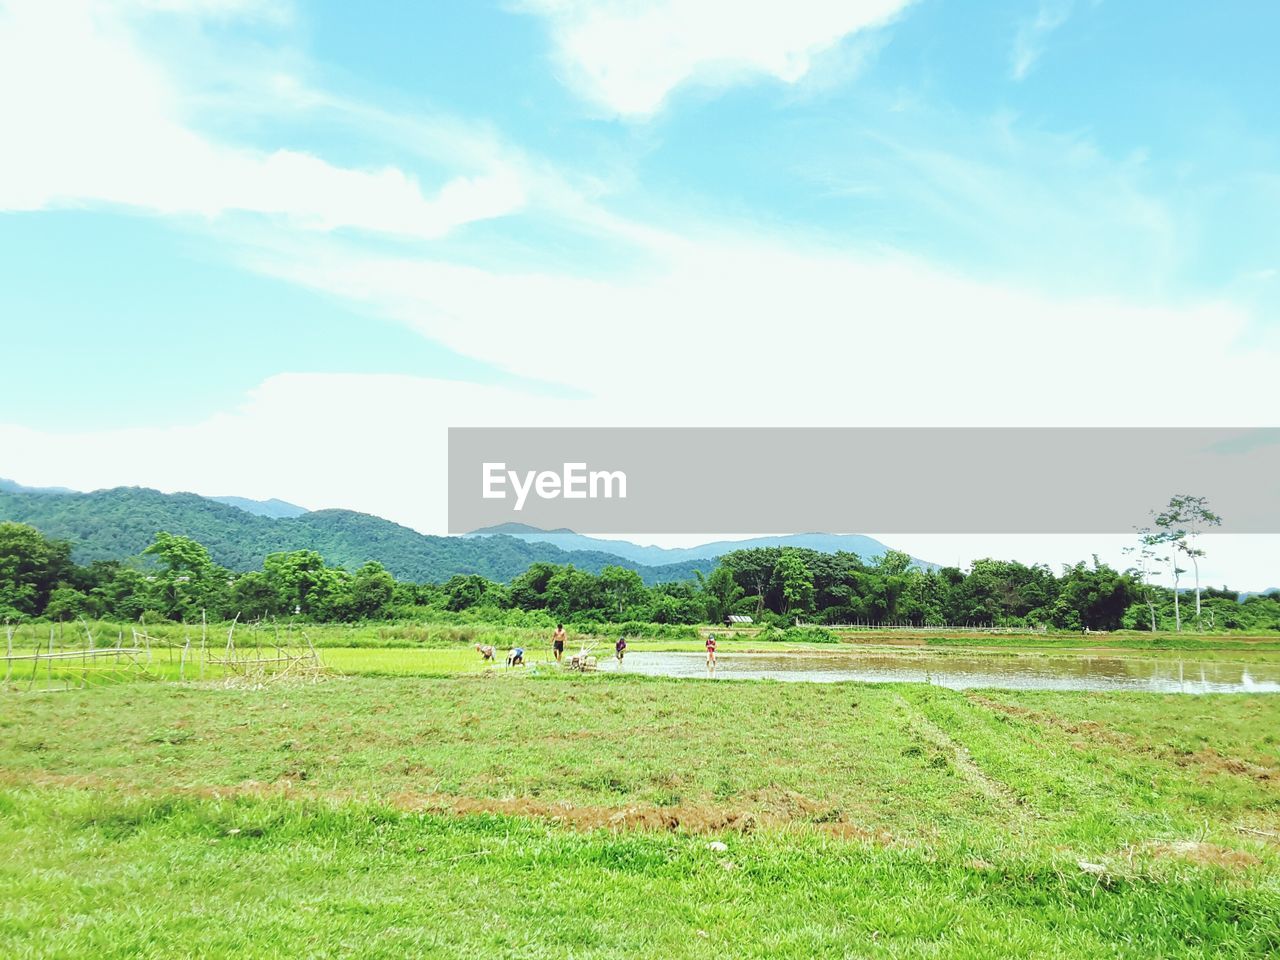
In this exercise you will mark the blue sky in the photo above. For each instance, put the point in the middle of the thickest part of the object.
(217, 216)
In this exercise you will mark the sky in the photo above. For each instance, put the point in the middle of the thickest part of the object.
(275, 248)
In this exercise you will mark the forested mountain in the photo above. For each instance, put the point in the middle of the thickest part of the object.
(867, 548)
(118, 524)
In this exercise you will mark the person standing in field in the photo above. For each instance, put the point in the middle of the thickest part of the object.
(711, 653)
(620, 648)
(485, 651)
(557, 641)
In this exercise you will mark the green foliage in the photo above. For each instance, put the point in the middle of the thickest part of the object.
(806, 635)
(795, 582)
(31, 566)
(120, 524)
(778, 586)
(721, 593)
(68, 603)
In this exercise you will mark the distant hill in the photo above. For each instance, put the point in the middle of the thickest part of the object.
(1245, 595)
(263, 508)
(118, 524)
(12, 486)
(865, 547)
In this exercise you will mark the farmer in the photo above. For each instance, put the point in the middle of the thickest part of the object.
(485, 650)
(711, 652)
(557, 641)
(620, 647)
(516, 657)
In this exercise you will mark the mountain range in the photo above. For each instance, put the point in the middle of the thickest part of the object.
(119, 523)
(865, 547)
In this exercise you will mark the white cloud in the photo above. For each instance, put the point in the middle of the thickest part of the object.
(88, 118)
(755, 328)
(1012, 198)
(1029, 42)
(629, 56)
(308, 438)
(715, 326)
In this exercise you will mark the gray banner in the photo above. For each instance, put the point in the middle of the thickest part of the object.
(851, 480)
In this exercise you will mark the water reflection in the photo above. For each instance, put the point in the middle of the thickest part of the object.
(960, 672)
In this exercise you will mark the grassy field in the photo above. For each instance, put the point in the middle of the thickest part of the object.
(541, 815)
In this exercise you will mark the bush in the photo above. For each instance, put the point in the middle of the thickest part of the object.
(809, 635)
(636, 628)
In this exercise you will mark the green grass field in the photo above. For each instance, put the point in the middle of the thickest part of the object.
(540, 815)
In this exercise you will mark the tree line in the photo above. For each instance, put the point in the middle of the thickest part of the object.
(176, 579)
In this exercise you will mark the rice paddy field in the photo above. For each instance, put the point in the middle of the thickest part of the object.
(411, 803)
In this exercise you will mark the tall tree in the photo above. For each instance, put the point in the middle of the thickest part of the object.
(301, 580)
(370, 591)
(31, 566)
(1149, 556)
(795, 581)
(623, 587)
(753, 571)
(721, 592)
(1182, 522)
(180, 555)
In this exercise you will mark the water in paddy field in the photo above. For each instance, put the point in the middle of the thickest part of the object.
(965, 671)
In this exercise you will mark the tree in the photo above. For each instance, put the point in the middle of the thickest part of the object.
(67, 603)
(301, 580)
(31, 566)
(179, 555)
(1181, 523)
(795, 581)
(886, 580)
(623, 587)
(572, 591)
(188, 580)
(370, 591)
(465, 591)
(1092, 597)
(529, 590)
(1148, 558)
(253, 596)
(753, 571)
(720, 591)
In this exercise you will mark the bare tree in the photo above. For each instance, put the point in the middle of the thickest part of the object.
(1181, 523)
(1148, 558)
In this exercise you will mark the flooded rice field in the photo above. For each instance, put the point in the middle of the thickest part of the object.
(965, 671)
